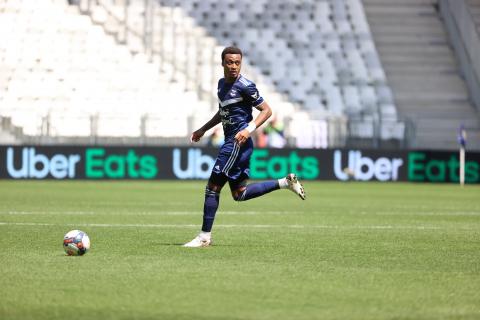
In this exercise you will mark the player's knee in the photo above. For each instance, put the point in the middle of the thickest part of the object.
(213, 187)
(211, 193)
(239, 195)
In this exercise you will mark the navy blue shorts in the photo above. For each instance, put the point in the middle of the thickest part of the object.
(233, 161)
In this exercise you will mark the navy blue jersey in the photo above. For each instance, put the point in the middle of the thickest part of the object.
(236, 101)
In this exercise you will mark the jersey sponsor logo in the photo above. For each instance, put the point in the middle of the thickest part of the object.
(255, 95)
(227, 122)
(224, 112)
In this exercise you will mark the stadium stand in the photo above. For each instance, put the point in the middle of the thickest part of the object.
(63, 76)
(423, 70)
(66, 77)
(474, 6)
(148, 70)
(461, 22)
(320, 53)
(79, 75)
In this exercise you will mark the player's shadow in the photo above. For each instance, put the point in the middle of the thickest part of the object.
(178, 244)
(170, 244)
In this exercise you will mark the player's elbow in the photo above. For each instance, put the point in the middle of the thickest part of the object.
(269, 113)
(267, 110)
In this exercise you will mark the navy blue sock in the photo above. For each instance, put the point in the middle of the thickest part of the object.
(259, 189)
(212, 200)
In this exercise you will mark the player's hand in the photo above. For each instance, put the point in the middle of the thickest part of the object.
(196, 135)
(242, 136)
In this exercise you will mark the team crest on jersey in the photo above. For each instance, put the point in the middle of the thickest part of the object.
(233, 93)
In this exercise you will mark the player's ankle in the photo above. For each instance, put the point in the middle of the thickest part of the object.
(283, 183)
(205, 235)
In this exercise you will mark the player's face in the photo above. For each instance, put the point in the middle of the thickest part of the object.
(231, 66)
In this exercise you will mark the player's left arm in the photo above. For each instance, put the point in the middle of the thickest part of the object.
(265, 113)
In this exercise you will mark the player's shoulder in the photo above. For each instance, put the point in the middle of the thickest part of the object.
(244, 81)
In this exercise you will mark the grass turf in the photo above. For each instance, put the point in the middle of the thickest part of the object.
(351, 251)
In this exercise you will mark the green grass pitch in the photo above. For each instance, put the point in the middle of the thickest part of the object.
(350, 251)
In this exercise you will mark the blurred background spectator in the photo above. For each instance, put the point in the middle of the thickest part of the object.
(275, 136)
(216, 138)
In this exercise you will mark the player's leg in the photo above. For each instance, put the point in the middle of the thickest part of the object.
(210, 206)
(212, 200)
(241, 191)
(215, 184)
(239, 172)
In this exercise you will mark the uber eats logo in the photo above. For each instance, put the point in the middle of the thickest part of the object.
(118, 166)
(421, 167)
(29, 163)
(363, 168)
(193, 164)
(263, 166)
(32, 164)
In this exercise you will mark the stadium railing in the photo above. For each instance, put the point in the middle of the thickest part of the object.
(466, 40)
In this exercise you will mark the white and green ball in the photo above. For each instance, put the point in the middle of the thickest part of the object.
(76, 243)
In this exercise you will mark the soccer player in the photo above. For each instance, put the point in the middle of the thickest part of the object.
(237, 96)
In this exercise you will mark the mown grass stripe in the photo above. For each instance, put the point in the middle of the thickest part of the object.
(246, 226)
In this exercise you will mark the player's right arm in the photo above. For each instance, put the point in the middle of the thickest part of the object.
(197, 134)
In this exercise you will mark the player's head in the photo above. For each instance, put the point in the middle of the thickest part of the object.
(231, 62)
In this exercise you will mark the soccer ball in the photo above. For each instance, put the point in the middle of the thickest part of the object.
(76, 243)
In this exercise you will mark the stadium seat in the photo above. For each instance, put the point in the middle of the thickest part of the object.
(309, 52)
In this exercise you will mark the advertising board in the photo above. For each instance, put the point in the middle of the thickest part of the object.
(147, 163)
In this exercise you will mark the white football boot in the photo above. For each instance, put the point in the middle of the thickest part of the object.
(199, 241)
(295, 186)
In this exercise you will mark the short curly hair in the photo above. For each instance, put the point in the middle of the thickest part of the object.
(231, 50)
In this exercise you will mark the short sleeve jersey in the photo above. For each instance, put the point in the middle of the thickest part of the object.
(236, 101)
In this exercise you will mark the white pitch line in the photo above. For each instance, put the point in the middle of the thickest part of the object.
(104, 225)
(194, 213)
(168, 213)
(245, 226)
(426, 213)
(46, 213)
